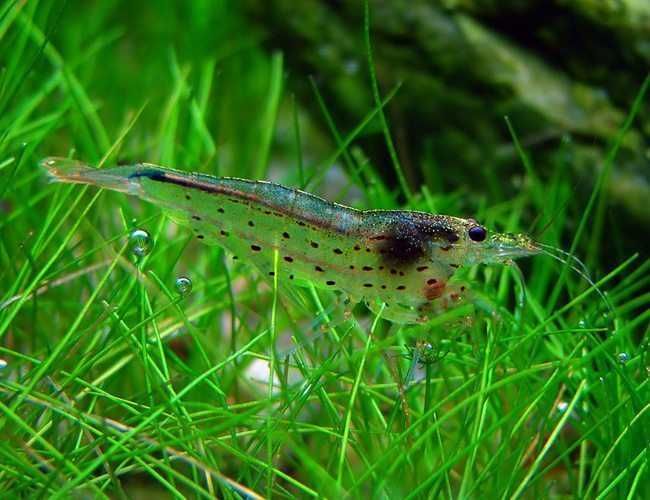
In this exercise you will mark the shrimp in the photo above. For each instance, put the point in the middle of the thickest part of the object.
(403, 259)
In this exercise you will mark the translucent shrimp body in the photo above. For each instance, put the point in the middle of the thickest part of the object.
(401, 258)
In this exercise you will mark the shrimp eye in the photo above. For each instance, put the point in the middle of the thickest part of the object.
(477, 233)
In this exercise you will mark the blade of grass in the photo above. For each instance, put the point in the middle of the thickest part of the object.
(376, 95)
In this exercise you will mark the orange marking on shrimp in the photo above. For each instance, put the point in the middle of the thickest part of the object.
(433, 289)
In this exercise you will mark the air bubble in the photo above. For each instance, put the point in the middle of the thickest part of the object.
(623, 357)
(183, 285)
(427, 353)
(351, 67)
(140, 242)
(3, 364)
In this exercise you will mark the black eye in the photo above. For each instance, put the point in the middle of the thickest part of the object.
(477, 233)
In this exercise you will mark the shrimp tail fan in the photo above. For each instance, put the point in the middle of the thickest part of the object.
(73, 171)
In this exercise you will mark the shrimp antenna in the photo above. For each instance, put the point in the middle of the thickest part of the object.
(577, 266)
(569, 256)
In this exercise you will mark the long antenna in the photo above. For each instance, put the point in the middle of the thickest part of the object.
(577, 266)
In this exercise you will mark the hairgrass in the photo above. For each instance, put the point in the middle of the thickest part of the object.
(115, 383)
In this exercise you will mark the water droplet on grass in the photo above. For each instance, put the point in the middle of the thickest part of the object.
(623, 357)
(183, 285)
(140, 242)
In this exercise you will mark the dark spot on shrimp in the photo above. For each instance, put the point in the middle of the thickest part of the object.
(271, 273)
(455, 266)
(224, 233)
(314, 244)
(351, 266)
(285, 235)
(188, 197)
(200, 236)
(330, 283)
(291, 276)
(251, 223)
(319, 269)
(196, 217)
(401, 287)
(338, 251)
(422, 268)
(301, 223)
(256, 248)
(368, 285)
(383, 287)
(288, 259)
(357, 247)
(367, 268)
(393, 271)
(410, 235)
(220, 210)
(234, 257)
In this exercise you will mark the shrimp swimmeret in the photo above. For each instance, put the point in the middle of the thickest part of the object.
(400, 258)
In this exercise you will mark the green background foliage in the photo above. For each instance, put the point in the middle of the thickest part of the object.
(117, 385)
